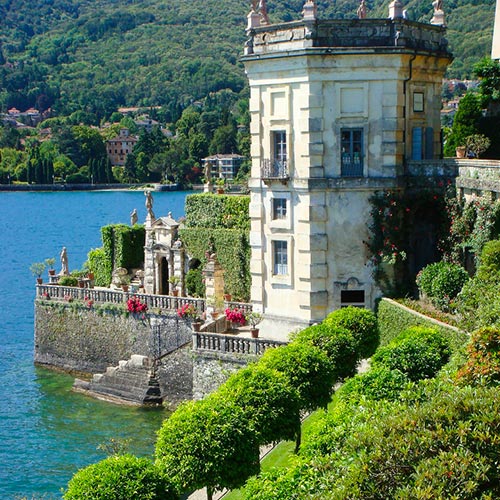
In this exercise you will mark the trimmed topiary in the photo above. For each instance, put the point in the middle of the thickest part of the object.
(337, 343)
(362, 323)
(379, 383)
(119, 477)
(418, 352)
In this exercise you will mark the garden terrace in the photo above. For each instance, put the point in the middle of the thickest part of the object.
(232, 344)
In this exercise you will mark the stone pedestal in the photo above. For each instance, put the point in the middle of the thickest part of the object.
(395, 10)
(214, 284)
(438, 18)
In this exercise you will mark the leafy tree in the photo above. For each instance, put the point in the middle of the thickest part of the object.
(465, 123)
(207, 444)
(308, 370)
(271, 404)
(488, 72)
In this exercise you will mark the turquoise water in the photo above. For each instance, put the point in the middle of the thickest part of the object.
(48, 432)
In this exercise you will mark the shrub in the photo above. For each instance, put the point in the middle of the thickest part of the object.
(100, 266)
(362, 323)
(483, 360)
(308, 370)
(194, 283)
(68, 281)
(119, 477)
(378, 383)
(337, 343)
(442, 282)
(418, 352)
(490, 261)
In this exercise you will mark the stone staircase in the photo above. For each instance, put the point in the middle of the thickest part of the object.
(133, 381)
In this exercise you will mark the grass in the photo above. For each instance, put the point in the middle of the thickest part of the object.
(280, 456)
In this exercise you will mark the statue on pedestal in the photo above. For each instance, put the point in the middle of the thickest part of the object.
(64, 263)
(438, 17)
(361, 12)
(133, 217)
(149, 204)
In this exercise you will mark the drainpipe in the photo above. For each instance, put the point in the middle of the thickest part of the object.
(405, 122)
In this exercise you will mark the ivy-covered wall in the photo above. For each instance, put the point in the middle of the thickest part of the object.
(233, 252)
(393, 318)
(221, 222)
(123, 246)
(218, 211)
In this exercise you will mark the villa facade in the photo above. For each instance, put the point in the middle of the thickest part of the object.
(337, 108)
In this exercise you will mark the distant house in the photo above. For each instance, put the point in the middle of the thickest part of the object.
(223, 166)
(146, 124)
(120, 147)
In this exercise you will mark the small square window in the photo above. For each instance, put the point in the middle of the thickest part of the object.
(418, 101)
(279, 208)
(280, 257)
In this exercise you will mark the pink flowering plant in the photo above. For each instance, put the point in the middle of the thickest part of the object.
(188, 311)
(235, 315)
(134, 305)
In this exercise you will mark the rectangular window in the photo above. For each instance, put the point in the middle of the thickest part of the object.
(279, 208)
(280, 146)
(418, 102)
(351, 152)
(355, 298)
(280, 257)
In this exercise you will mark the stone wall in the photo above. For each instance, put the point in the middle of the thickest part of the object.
(210, 370)
(89, 340)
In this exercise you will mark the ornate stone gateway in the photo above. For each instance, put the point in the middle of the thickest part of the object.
(164, 256)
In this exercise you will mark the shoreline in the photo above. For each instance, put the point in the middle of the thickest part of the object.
(88, 187)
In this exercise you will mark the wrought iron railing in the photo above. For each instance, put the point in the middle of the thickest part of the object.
(232, 344)
(274, 169)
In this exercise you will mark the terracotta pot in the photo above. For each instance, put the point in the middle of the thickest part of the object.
(460, 152)
(254, 332)
(52, 272)
(196, 326)
(175, 293)
(90, 276)
(125, 288)
(39, 281)
(228, 297)
(81, 283)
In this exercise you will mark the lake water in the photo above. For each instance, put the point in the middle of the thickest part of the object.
(48, 432)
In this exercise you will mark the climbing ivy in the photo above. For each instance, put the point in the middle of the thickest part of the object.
(123, 246)
(233, 252)
(218, 211)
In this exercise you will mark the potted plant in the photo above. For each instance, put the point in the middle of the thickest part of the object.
(220, 183)
(189, 311)
(174, 281)
(50, 264)
(254, 318)
(235, 316)
(37, 269)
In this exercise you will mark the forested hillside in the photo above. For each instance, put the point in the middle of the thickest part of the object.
(96, 55)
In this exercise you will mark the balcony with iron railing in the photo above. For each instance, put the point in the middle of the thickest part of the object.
(271, 169)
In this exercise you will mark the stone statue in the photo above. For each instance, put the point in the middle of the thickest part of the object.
(263, 11)
(438, 5)
(208, 172)
(361, 12)
(133, 217)
(64, 263)
(438, 17)
(149, 203)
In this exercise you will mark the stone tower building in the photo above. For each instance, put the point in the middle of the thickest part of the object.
(337, 108)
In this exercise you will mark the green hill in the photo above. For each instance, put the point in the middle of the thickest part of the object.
(100, 54)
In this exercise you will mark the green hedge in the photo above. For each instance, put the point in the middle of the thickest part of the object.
(217, 211)
(233, 252)
(123, 246)
(394, 318)
(100, 266)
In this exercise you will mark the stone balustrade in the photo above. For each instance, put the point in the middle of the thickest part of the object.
(232, 344)
(163, 302)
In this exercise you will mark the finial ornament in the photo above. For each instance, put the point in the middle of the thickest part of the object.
(263, 12)
(438, 17)
(310, 10)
